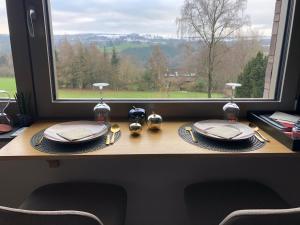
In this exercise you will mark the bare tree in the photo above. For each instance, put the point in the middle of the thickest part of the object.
(158, 66)
(212, 21)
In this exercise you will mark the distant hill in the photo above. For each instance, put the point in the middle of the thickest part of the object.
(171, 50)
(138, 46)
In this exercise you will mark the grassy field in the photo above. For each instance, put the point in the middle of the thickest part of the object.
(67, 93)
(8, 84)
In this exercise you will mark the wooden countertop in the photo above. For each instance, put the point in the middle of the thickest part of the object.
(165, 142)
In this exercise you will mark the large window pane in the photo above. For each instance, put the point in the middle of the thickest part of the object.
(7, 79)
(161, 49)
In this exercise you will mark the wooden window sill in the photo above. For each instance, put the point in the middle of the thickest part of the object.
(164, 143)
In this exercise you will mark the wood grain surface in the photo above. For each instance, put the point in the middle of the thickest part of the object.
(165, 142)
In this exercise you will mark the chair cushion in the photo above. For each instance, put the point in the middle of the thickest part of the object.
(209, 203)
(107, 202)
(264, 216)
(10, 216)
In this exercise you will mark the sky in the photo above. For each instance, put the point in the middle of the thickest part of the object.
(155, 17)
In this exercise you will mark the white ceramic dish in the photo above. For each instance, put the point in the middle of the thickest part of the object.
(97, 131)
(246, 131)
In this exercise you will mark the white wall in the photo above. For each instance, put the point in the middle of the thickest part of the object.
(155, 184)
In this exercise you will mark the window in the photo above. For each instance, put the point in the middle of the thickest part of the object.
(7, 75)
(151, 56)
(143, 51)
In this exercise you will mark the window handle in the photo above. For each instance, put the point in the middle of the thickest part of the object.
(31, 16)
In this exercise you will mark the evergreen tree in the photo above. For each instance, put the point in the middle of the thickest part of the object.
(104, 52)
(114, 58)
(115, 72)
(253, 78)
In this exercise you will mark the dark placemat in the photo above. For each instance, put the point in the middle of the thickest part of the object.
(248, 145)
(51, 147)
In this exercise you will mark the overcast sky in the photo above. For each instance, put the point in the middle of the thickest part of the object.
(133, 16)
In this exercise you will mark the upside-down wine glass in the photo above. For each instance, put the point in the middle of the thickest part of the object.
(231, 109)
(5, 121)
(101, 110)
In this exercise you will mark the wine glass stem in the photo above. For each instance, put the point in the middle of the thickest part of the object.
(7, 104)
(101, 96)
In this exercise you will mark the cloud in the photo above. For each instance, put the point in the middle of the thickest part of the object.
(262, 15)
(3, 18)
(133, 16)
(115, 16)
(139, 16)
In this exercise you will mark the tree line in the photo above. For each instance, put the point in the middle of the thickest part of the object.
(80, 65)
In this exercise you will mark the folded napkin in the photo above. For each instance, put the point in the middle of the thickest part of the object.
(76, 134)
(285, 117)
(226, 131)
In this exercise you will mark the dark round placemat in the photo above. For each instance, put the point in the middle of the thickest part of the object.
(52, 147)
(248, 145)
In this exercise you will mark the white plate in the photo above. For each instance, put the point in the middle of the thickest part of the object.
(247, 132)
(97, 129)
